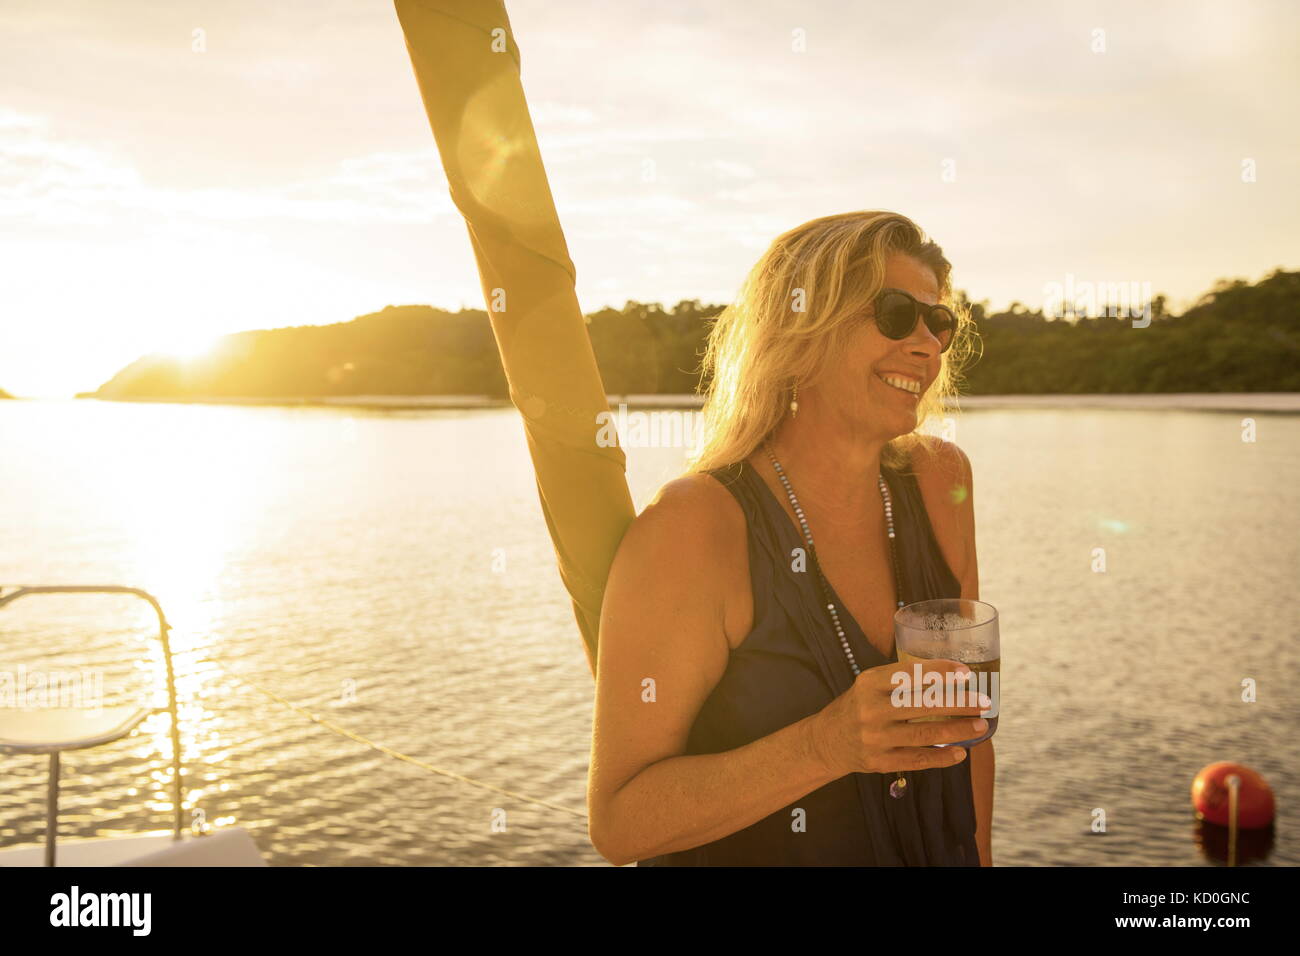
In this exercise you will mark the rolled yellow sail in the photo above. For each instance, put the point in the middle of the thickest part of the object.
(467, 66)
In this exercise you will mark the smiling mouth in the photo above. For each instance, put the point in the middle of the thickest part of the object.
(902, 384)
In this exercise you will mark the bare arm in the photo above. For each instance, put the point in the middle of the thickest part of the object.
(950, 501)
(685, 801)
(981, 781)
(663, 648)
(981, 755)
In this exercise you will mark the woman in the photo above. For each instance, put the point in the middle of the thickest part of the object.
(742, 713)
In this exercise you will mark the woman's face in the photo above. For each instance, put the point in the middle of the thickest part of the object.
(854, 386)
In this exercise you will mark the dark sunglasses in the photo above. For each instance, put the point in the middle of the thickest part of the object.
(897, 312)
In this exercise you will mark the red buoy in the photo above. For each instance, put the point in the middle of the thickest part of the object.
(1210, 796)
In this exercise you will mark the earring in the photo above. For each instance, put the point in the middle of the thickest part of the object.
(794, 403)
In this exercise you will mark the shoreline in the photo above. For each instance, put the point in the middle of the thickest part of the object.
(1267, 402)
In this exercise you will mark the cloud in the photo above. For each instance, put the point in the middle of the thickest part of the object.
(52, 181)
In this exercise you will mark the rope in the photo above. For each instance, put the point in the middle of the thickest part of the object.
(395, 754)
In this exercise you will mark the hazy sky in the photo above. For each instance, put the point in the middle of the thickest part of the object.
(153, 196)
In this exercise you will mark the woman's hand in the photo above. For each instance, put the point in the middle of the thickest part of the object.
(864, 731)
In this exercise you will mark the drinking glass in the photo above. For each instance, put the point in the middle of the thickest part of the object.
(960, 630)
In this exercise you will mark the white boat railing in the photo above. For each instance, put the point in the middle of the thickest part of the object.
(64, 730)
(59, 730)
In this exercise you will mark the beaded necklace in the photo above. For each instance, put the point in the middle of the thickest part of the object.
(899, 787)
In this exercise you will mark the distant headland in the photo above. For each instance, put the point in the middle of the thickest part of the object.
(1238, 337)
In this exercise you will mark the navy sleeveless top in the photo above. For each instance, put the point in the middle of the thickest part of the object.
(790, 666)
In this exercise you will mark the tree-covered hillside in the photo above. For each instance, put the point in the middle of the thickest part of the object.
(1239, 337)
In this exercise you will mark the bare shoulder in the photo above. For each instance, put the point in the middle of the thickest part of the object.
(691, 538)
(943, 473)
(942, 463)
(694, 510)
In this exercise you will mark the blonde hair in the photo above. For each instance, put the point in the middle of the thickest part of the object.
(761, 345)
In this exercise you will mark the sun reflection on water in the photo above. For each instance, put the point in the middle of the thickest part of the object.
(185, 513)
